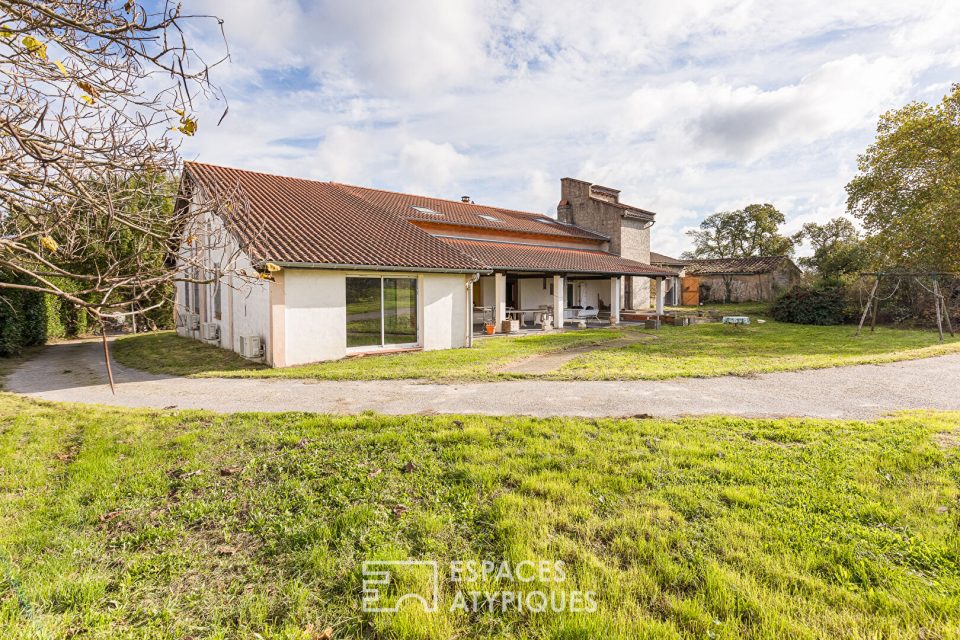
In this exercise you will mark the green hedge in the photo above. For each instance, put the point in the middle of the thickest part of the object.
(29, 318)
(23, 318)
(821, 305)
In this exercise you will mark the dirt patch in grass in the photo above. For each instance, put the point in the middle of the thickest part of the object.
(550, 362)
(947, 440)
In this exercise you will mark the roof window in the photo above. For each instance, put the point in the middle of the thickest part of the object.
(426, 210)
(490, 218)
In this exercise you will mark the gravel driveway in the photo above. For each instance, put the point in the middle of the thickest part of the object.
(73, 372)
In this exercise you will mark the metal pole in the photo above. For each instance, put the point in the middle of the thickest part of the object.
(866, 309)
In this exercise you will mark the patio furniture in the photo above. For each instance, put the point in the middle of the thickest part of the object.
(521, 315)
(482, 315)
(581, 313)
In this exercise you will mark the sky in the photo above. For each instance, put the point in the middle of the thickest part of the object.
(688, 107)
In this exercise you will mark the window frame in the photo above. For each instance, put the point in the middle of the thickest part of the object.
(383, 316)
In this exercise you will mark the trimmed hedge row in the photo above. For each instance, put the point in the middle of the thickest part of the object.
(30, 318)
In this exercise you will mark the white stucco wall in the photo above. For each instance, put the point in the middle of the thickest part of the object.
(444, 311)
(246, 312)
(533, 294)
(488, 293)
(315, 326)
(245, 301)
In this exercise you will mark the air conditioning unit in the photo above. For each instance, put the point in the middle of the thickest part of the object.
(193, 322)
(210, 331)
(251, 346)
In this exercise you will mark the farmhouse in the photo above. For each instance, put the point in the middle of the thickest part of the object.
(346, 269)
(757, 279)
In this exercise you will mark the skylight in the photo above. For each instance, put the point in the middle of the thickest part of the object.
(490, 218)
(426, 210)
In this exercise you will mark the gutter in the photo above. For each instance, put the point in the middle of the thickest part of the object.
(566, 272)
(371, 267)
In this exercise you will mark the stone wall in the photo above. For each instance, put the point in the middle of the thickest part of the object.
(598, 209)
(764, 287)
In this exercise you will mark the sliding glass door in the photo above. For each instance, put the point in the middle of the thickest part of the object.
(381, 311)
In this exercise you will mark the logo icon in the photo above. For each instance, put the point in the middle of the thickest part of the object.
(382, 580)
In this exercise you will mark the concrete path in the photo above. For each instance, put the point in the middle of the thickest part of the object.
(73, 372)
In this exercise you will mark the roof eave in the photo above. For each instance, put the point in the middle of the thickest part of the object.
(608, 272)
(376, 267)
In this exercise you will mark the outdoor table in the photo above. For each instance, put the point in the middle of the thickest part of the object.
(521, 314)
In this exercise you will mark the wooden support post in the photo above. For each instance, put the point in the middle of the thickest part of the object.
(876, 306)
(499, 300)
(866, 309)
(106, 358)
(660, 292)
(936, 304)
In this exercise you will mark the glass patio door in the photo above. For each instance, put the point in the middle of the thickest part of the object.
(381, 312)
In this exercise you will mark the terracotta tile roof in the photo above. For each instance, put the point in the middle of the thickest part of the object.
(291, 220)
(660, 258)
(734, 266)
(537, 258)
(305, 221)
(467, 214)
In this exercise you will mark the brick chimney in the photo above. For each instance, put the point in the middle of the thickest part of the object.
(599, 209)
(588, 205)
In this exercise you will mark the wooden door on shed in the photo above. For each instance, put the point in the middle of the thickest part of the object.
(690, 291)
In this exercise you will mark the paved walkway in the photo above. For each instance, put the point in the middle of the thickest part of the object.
(73, 372)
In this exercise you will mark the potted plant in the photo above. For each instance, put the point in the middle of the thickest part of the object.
(489, 327)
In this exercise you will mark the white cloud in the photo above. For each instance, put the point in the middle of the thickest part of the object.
(430, 166)
(840, 95)
(689, 107)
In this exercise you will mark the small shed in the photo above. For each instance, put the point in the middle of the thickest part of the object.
(759, 279)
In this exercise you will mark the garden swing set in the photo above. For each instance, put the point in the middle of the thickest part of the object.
(939, 300)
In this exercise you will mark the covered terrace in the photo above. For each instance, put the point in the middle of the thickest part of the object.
(530, 282)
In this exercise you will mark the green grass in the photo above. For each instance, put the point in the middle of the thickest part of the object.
(718, 349)
(148, 524)
(694, 351)
(166, 352)
(761, 309)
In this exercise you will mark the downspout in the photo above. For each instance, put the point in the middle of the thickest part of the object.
(470, 282)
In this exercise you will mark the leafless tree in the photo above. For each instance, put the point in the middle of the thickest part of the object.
(97, 96)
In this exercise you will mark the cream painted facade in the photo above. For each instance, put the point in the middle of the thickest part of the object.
(301, 315)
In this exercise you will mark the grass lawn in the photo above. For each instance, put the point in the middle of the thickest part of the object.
(149, 524)
(699, 350)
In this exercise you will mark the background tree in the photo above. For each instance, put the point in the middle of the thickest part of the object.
(96, 97)
(908, 190)
(749, 232)
(838, 249)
